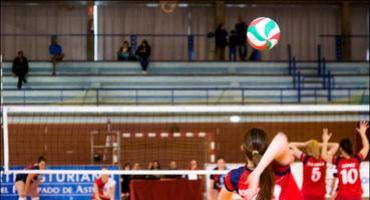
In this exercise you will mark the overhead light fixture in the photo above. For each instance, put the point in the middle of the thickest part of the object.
(152, 5)
(235, 119)
(182, 5)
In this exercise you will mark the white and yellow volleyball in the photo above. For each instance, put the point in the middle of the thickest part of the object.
(263, 33)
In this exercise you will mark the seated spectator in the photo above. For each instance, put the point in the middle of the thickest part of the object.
(20, 68)
(233, 43)
(125, 182)
(173, 166)
(143, 53)
(124, 52)
(56, 52)
(154, 166)
(255, 56)
(136, 166)
(193, 166)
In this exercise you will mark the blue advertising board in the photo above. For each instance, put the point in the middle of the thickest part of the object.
(60, 186)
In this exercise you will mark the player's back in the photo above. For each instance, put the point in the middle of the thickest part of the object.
(314, 176)
(349, 186)
(285, 185)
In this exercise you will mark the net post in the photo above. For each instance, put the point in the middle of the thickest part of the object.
(5, 139)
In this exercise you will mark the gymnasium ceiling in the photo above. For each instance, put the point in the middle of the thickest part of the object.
(69, 2)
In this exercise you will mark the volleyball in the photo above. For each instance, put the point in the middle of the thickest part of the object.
(263, 33)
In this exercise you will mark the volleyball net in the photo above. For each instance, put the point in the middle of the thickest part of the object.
(141, 135)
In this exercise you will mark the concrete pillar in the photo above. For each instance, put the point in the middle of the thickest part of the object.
(90, 31)
(345, 18)
(219, 18)
(219, 13)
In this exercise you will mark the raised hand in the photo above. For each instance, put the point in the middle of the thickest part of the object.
(364, 125)
(326, 135)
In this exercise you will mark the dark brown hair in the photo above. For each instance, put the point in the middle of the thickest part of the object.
(346, 146)
(255, 145)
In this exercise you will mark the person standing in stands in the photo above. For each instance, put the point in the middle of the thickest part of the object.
(143, 53)
(241, 31)
(233, 42)
(221, 42)
(20, 68)
(56, 52)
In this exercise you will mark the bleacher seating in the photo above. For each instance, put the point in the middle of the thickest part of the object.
(181, 82)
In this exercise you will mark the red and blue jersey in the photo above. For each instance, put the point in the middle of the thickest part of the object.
(349, 185)
(218, 180)
(23, 177)
(314, 177)
(285, 186)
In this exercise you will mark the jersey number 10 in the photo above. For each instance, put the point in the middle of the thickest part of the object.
(349, 176)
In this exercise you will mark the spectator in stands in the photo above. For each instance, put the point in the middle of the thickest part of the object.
(20, 68)
(125, 182)
(136, 166)
(217, 181)
(241, 31)
(173, 166)
(154, 166)
(56, 52)
(143, 53)
(193, 166)
(233, 43)
(124, 52)
(255, 56)
(221, 42)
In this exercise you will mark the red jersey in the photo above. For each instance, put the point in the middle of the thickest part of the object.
(103, 188)
(285, 185)
(314, 176)
(349, 184)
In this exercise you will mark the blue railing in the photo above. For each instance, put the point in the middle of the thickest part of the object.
(174, 96)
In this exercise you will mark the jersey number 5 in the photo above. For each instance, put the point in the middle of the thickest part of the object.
(316, 174)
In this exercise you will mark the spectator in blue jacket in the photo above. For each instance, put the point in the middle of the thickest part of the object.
(56, 52)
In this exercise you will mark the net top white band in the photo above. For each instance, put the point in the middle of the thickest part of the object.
(121, 172)
(191, 109)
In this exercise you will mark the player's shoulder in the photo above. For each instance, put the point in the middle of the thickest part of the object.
(98, 181)
(235, 176)
(236, 173)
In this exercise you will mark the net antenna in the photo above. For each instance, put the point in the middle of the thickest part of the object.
(105, 145)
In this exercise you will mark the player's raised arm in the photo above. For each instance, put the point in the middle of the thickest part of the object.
(279, 151)
(295, 147)
(365, 142)
(326, 154)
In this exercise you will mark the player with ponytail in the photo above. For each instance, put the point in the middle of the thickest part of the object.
(266, 174)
